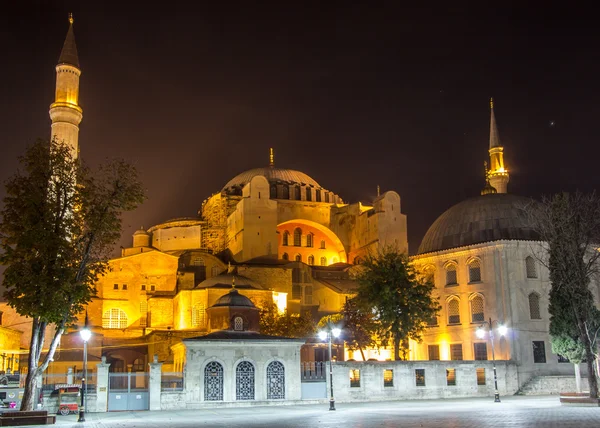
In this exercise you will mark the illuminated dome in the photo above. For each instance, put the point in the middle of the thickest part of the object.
(484, 218)
(233, 298)
(273, 176)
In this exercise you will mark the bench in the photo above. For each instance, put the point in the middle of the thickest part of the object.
(20, 418)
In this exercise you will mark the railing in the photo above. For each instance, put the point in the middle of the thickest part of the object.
(171, 381)
(49, 380)
(314, 371)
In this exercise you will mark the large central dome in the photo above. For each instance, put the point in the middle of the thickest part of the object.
(481, 219)
(273, 176)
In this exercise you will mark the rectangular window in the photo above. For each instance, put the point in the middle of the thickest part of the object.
(355, 378)
(296, 292)
(388, 377)
(308, 300)
(451, 377)
(116, 287)
(456, 352)
(153, 288)
(539, 352)
(420, 377)
(480, 376)
(434, 352)
(480, 351)
(562, 359)
(124, 286)
(143, 287)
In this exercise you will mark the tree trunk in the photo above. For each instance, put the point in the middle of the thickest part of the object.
(589, 356)
(28, 400)
(577, 377)
(362, 354)
(396, 348)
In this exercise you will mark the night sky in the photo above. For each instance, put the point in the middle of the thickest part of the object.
(355, 96)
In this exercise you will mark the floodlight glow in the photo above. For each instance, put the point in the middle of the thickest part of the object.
(322, 335)
(480, 333)
(86, 334)
(336, 332)
(502, 330)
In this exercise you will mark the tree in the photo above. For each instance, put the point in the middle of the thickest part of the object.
(284, 324)
(58, 226)
(360, 328)
(569, 226)
(400, 298)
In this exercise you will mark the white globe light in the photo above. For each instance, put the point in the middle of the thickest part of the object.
(322, 335)
(86, 334)
(336, 332)
(480, 333)
(502, 330)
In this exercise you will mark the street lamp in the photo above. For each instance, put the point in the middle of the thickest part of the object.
(502, 330)
(86, 334)
(326, 335)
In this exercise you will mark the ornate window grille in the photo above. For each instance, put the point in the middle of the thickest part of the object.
(143, 313)
(297, 237)
(114, 318)
(323, 261)
(530, 267)
(451, 278)
(244, 381)
(213, 382)
(456, 353)
(275, 381)
(311, 260)
(475, 271)
(199, 315)
(477, 314)
(238, 324)
(480, 351)
(534, 306)
(454, 311)
(434, 352)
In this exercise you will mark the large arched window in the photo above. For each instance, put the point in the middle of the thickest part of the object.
(477, 314)
(286, 238)
(318, 195)
(453, 311)
(311, 260)
(309, 239)
(298, 257)
(534, 306)
(244, 381)
(199, 315)
(297, 196)
(308, 194)
(286, 192)
(213, 382)
(530, 267)
(273, 192)
(275, 381)
(451, 278)
(297, 237)
(114, 318)
(474, 270)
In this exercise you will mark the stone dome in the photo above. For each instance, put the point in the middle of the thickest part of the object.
(233, 298)
(273, 176)
(484, 218)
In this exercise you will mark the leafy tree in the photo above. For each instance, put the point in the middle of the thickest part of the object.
(286, 324)
(58, 225)
(570, 227)
(360, 327)
(400, 298)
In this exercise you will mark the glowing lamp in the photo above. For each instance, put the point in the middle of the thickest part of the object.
(322, 335)
(502, 330)
(336, 332)
(480, 333)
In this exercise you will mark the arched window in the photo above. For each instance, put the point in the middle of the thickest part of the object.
(453, 311)
(297, 237)
(327, 197)
(475, 270)
(530, 267)
(199, 315)
(213, 382)
(143, 313)
(273, 192)
(309, 239)
(323, 261)
(138, 365)
(308, 193)
(534, 306)
(238, 324)
(215, 270)
(244, 381)
(114, 318)
(285, 256)
(311, 260)
(286, 238)
(318, 195)
(286, 192)
(477, 309)
(451, 278)
(275, 381)
(297, 196)
(322, 244)
(298, 258)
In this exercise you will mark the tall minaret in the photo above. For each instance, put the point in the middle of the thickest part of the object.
(498, 175)
(65, 112)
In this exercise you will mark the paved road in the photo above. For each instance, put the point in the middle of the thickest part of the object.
(515, 411)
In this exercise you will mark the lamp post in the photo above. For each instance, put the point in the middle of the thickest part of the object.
(326, 335)
(481, 334)
(86, 334)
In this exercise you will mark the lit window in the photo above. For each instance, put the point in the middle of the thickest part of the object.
(451, 377)
(311, 260)
(388, 377)
(434, 352)
(420, 377)
(238, 324)
(451, 278)
(534, 306)
(475, 271)
(286, 238)
(309, 240)
(477, 309)
(322, 245)
(114, 318)
(480, 375)
(453, 311)
(530, 267)
(323, 261)
(143, 313)
(354, 378)
(297, 237)
(456, 352)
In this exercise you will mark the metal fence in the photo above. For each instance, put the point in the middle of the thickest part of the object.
(171, 381)
(314, 371)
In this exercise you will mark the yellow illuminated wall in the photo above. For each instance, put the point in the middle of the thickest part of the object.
(324, 243)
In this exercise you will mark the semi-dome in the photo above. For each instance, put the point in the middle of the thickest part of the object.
(484, 218)
(273, 176)
(233, 298)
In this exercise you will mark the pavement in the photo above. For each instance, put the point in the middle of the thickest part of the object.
(513, 411)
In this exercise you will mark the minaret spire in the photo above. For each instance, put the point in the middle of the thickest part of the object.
(498, 175)
(65, 112)
(271, 158)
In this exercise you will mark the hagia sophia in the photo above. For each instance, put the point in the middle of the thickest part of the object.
(276, 234)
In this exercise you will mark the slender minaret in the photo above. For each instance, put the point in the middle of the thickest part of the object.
(498, 175)
(271, 158)
(65, 112)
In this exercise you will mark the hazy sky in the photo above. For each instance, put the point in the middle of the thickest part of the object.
(355, 95)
